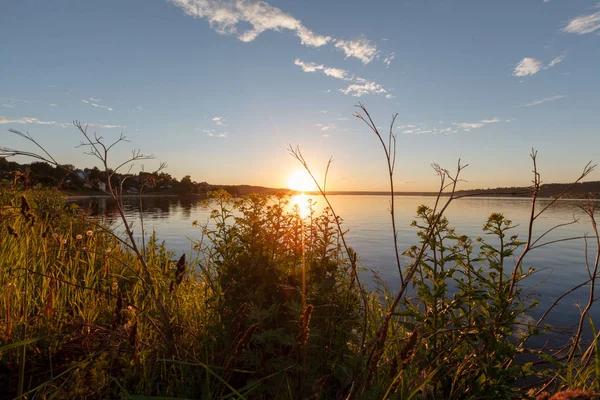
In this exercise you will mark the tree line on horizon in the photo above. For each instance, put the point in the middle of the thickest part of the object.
(580, 190)
(39, 173)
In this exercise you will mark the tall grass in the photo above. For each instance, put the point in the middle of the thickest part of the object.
(271, 305)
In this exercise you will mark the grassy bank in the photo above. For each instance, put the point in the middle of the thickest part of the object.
(270, 306)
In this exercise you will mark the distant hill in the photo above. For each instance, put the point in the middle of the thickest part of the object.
(579, 191)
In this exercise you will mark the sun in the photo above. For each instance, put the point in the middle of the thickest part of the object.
(301, 181)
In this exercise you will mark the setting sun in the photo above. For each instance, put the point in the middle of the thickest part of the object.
(301, 181)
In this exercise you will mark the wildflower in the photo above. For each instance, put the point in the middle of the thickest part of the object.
(78, 237)
(107, 250)
(89, 233)
(64, 241)
(55, 235)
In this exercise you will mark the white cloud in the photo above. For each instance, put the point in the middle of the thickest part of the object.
(418, 131)
(359, 87)
(360, 48)
(387, 60)
(225, 18)
(527, 66)
(363, 88)
(556, 60)
(531, 66)
(327, 127)
(112, 126)
(25, 120)
(323, 111)
(231, 17)
(212, 133)
(448, 131)
(583, 24)
(332, 72)
(220, 121)
(342, 119)
(455, 127)
(91, 103)
(468, 126)
(8, 105)
(390, 96)
(336, 73)
(31, 120)
(540, 101)
(52, 105)
(94, 100)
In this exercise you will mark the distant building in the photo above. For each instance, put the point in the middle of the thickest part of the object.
(83, 176)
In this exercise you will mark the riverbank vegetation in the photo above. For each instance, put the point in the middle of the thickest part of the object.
(272, 304)
(90, 181)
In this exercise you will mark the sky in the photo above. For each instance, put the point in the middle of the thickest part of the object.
(220, 89)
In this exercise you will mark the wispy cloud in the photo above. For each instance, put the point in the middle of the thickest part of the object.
(469, 126)
(363, 87)
(531, 66)
(32, 120)
(541, 101)
(332, 72)
(225, 18)
(8, 105)
(108, 126)
(359, 86)
(387, 60)
(92, 103)
(455, 127)
(231, 17)
(360, 48)
(25, 120)
(326, 127)
(52, 105)
(583, 24)
(212, 133)
(220, 121)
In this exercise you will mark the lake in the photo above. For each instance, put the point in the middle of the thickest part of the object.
(559, 266)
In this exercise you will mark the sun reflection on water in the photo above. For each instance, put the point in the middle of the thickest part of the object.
(302, 201)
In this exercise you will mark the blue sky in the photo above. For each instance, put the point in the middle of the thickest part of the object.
(220, 89)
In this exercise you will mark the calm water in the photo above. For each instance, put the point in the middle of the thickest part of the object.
(560, 266)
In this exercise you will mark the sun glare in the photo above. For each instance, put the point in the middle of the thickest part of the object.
(301, 200)
(301, 181)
